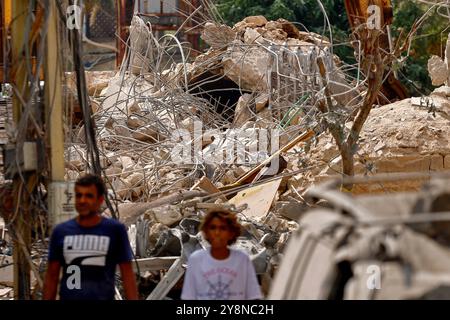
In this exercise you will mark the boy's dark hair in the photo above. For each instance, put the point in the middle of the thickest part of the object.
(228, 217)
(91, 179)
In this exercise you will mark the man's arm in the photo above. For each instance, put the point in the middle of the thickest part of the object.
(51, 280)
(129, 281)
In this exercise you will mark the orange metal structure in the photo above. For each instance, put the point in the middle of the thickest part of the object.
(357, 13)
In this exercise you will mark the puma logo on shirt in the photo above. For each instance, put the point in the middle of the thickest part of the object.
(86, 249)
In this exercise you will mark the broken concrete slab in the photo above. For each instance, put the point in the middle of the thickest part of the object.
(258, 199)
(438, 71)
(290, 209)
(243, 112)
(217, 36)
(167, 215)
(443, 91)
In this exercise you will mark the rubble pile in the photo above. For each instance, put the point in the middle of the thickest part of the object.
(405, 136)
(140, 110)
(161, 124)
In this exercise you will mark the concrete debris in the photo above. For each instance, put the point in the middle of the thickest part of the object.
(177, 139)
(166, 215)
(399, 137)
(139, 42)
(438, 70)
(443, 91)
(148, 106)
(243, 112)
(258, 199)
(216, 36)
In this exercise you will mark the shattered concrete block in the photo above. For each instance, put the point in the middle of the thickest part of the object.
(104, 161)
(261, 102)
(447, 58)
(134, 179)
(217, 36)
(207, 139)
(273, 25)
(137, 191)
(228, 178)
(269, 240)
(110, 123)
(257, 21)
(6, 293)
(239, 171)
(276, 35)
(443, 91)
(140, 58)
(251, 36)
(247, 66)
(292, 225)
(404, 164)
(132, 236)
(242, 112)
(6, 272)
(250, 22)
(438, 70)
(167, 215)
(315, 38)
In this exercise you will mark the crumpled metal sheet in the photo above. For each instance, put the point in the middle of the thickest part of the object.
(350, 250)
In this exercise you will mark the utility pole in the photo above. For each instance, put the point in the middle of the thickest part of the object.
(21, 228)
(27, 19)
(54, 117)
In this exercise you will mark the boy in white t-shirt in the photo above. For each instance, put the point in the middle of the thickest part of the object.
(220, 272)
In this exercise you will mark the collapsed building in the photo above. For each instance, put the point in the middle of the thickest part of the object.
(238, 127)
(256, 77)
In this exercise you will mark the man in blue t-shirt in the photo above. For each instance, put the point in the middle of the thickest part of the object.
(89, 248)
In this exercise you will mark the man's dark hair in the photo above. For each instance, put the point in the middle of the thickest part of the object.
(92, 179)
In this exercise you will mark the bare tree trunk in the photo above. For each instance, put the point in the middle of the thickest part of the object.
(348, 165)
(373, 65)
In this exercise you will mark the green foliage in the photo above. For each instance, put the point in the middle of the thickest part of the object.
(430, 39)
(235, 10)
(413, 73)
